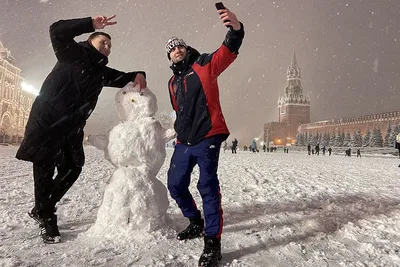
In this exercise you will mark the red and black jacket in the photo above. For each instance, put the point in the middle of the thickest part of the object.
(194, 91)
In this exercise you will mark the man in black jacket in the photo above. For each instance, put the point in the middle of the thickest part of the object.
(200, 128)
(54, 131)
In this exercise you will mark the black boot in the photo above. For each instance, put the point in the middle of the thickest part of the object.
(34, 215)
(211, 255)
(49, 230)
(194, 230)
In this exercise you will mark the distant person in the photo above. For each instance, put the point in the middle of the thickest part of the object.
(309, 149)
(323, 150)
(235, 143)
(224, 146)
(317, 149)
(264, 147)
(330, 151)
(254, 146)
(358, 153)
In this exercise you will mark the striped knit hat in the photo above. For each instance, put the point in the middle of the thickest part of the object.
(173, 42)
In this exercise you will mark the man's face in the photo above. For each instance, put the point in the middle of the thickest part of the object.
(178, 53)
(102, 44)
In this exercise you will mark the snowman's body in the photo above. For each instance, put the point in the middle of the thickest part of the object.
(134, 198)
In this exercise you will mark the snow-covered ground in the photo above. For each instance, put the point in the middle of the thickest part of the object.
(279, 210)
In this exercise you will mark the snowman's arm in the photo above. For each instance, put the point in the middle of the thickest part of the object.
(100, 141)
(168, 134)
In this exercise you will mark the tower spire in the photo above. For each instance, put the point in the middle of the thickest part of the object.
(294, 60)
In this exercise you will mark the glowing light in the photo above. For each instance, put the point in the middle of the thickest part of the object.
(29, 89)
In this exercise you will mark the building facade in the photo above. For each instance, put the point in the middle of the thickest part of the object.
(293, 110)
(363, 123)
(15, 103)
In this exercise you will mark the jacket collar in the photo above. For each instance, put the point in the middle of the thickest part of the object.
(94, 55)
(183, 65)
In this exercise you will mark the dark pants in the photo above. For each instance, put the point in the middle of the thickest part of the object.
(206, 155)
(49, 191)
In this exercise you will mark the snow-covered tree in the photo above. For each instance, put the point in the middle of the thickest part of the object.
(367, 138)
(310, 135)
(395, 132)
(339, 139)
(297, 139)
(357, 139)
(347, 139)
(325, 139)
(387, 136)
(332, 141)
(376, 138)
(314, 139)
(319, 138)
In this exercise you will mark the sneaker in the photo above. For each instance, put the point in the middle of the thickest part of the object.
(194, 230)
(49, 230)
(211, 255)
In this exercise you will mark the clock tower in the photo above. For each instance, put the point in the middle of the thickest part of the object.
(293, 106)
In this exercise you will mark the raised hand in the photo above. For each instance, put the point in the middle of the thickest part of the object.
(228, 18)
(99, 22)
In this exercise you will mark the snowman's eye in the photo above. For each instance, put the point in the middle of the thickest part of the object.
(132, 100)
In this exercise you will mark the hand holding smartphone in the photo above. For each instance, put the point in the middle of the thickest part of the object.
(220, 6)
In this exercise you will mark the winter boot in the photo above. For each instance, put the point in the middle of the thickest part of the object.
(49, 230)
(34, 215)
(194, 230)
(211, 255)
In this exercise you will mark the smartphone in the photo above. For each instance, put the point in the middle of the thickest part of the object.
(219, 6)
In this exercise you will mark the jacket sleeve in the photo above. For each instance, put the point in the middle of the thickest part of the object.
(172, 94)
(62, 35)
(228, 51)
(116, 78)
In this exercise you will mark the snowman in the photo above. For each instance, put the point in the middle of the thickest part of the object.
(134, 199)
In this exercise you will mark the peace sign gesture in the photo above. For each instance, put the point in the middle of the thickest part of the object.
(99, 22)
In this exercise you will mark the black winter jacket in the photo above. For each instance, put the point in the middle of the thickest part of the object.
(69, 93)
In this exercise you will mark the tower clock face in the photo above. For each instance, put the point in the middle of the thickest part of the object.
(297, 89)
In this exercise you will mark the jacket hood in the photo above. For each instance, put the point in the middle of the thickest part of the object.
(183, 65)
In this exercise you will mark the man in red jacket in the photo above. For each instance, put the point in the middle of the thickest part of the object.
(54, 131)
(200, 128)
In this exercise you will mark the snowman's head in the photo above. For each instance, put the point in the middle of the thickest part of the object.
(131, 103)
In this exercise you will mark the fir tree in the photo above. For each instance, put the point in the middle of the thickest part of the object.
(367, 138)
(332, 141)
(305, 139)
(395, 132)
(347, 139)
(297, 139)
(314, 140)
(339, 140)
(376, 138)
(357, 139)
(386, 143)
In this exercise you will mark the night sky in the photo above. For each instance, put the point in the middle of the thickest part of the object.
(348, 51)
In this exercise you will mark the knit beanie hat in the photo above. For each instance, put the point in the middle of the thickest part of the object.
(173, 42)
